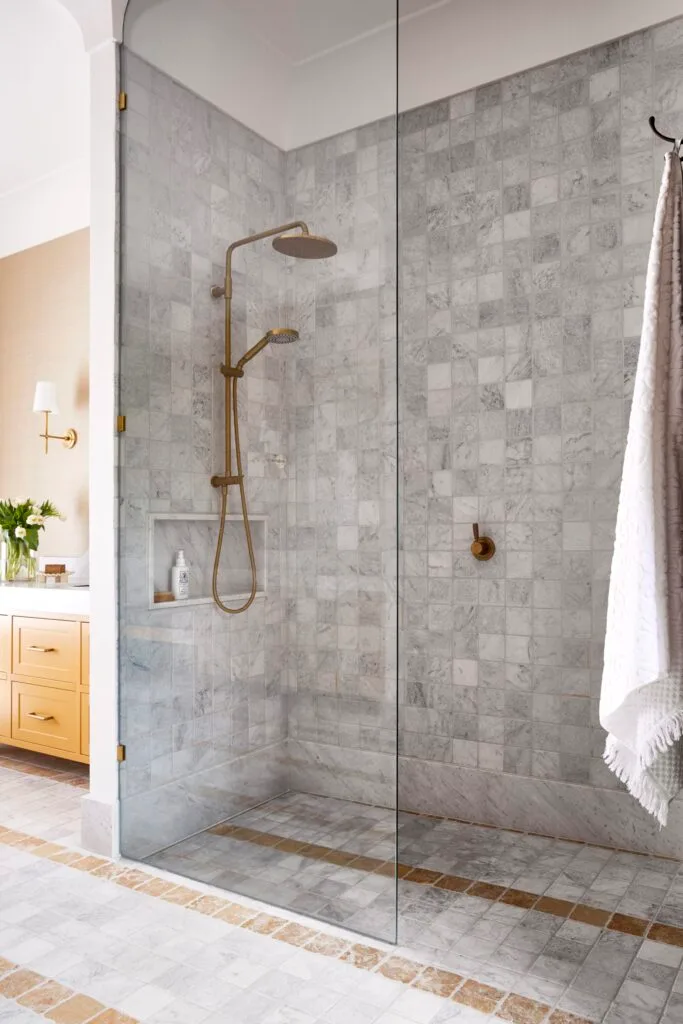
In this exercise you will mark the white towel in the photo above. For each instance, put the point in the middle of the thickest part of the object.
(641, 703)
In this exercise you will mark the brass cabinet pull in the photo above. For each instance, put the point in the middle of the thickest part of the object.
(41, 650)
(41, 718)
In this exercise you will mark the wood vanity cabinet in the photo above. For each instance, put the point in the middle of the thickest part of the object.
(45, 684)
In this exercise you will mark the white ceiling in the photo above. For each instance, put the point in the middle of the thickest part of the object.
(302, 30)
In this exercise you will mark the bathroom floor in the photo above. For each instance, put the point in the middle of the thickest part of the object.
(83, 938)
(32, 763)
(560, 921)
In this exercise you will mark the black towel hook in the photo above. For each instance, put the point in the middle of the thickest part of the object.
(665, 138)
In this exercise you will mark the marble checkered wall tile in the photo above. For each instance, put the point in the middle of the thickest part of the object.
(342, 525)
(203, 712)
(526, 211)
(526, 217)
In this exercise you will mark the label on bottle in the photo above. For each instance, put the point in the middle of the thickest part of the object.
(183, 583)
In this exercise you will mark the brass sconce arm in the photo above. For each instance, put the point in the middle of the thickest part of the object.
(68, 440)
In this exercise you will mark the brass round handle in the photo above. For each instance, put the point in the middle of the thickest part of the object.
(482, 548)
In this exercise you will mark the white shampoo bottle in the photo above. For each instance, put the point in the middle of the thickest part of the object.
(180, 578)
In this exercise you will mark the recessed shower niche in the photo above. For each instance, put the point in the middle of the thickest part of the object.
(196, 535)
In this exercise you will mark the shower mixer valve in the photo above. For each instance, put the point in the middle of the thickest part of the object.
(482, 548)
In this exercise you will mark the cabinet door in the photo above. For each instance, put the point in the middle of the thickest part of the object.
(85, 654)
(85, 723)
(5, 634)
(5, 690)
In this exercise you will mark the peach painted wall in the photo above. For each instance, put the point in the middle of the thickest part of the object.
(44, 335)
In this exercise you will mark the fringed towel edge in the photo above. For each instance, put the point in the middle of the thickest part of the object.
(635, 773)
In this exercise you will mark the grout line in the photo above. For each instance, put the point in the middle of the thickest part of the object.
(611, 920)
(50, 999)
(446, 984)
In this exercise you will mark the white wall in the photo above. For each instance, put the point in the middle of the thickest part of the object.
(44, 178)
(451, 47)
(204, 45)
(38, 211)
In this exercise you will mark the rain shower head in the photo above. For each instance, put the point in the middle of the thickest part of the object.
(305, 246)
(282, 335)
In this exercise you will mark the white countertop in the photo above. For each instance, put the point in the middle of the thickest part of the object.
(49, 598)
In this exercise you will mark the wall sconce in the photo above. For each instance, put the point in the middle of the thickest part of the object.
(45, 401)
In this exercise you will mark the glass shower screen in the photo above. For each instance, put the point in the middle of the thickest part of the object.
(259, 691)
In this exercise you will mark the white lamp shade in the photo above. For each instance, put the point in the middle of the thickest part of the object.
(45, 398)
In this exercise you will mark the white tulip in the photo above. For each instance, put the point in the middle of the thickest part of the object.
(35, 520)
(20, 532)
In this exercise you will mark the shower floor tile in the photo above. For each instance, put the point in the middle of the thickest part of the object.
(532, 903)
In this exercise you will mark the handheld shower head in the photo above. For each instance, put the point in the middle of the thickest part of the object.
(276, 336)
(305, 246)
(282, 335)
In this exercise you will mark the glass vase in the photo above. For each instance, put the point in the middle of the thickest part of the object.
(20, 561)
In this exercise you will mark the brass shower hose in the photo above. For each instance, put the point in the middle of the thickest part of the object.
(245, 517)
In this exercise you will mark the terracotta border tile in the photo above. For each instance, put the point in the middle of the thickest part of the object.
(627, 924)
(208, 905)
(340, 857)
(518, 898)
(47, 995)
(328, 945)
(113, 1017)
(521, 1010)
(486, 890)
(550, 905)
(47, 849)
(423, 876)
(314, 851)
(478, 996)
(131, 878)
(156, 887)
(180, 895)
(234, 913)
(19, 981)
(665, 933)
(295, 934)
(290, 845)
(364, 957)
(453, 883)
(362, 863)
(441, 983)
(264, 924)
(76, 1010)
(69, 857)
(399, 968)
(590, 915)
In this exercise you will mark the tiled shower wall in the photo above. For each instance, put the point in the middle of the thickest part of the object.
(526, 211)
(202, 693)
(342, 514)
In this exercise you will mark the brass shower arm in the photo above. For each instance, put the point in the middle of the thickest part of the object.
(256, 238)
